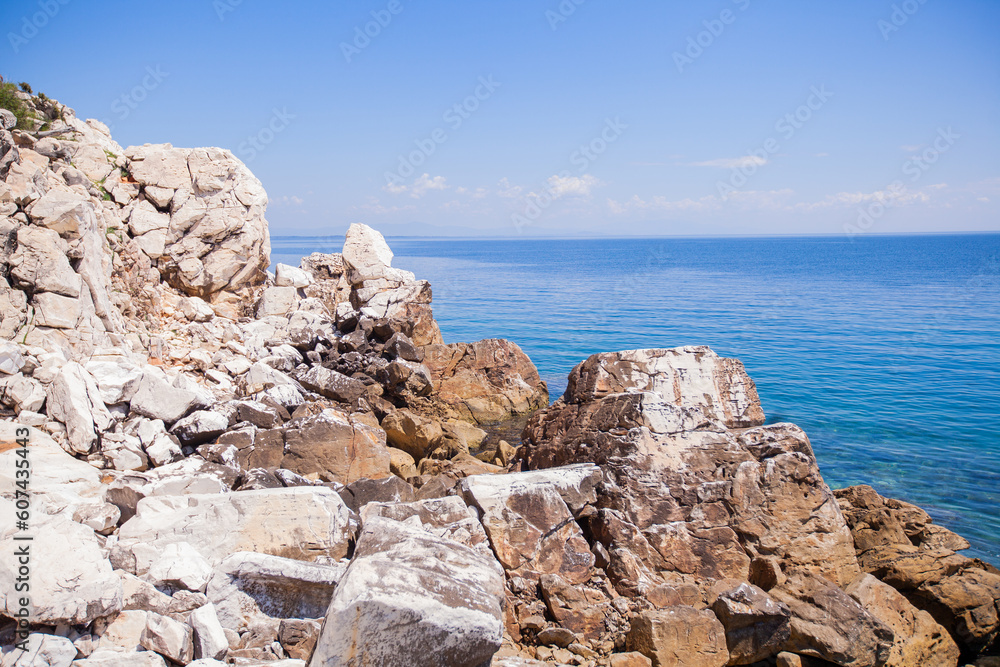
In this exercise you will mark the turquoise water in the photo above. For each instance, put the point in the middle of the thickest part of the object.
(884, 349)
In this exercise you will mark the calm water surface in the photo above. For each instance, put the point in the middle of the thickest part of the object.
(884, 349)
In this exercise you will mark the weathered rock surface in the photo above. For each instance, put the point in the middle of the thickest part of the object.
(336, 447)
(679, 636)
(413, 598)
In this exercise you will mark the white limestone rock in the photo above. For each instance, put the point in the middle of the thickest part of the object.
(56, 311)
(43, 651)
(74, 398)
(303, 523)
(171, 639)
(180, 566)
(40, 263)
(413, 599)
(289, 276)
(209, 636)
(156, 399)
(110, 658)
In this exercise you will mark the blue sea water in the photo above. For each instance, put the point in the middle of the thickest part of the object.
(886, 350)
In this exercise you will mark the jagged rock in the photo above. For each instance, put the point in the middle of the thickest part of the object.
(124, 632)
(411, 598)
(248, 587)
(107, 658)
(366, 255)
(209, 636)
(56, 311)
(289, 276)
(585, 609)
(11, 359)
(40, 263)
(180, 566)
(197, 310)
(402, 464)
(61, 211)
(919, 639)
(827, 623)
(298, 637)
(22, 393)
(690, 377)
(303, 523)
(336, 447)
(155, 398)
(190, 476)
(43, 651)
(486, 381)
(333, 385)
(679, 636)
(447, 517)
(200, 427)
(145, 218)
(277, 301)
(117, 380)
(387, 490)
(168, 637)
(756, 626)
(63, 590)
(412, 433)
(74, 399)
(530, 525)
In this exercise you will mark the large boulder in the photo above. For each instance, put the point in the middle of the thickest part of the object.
(680, 635)
(487, 381)
(413, 599)
(303, 523)
(335, 447)
(217, 238)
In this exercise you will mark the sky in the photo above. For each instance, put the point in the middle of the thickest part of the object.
(549, 117)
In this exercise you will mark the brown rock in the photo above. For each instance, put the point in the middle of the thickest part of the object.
(298, 637)
(965, 604)
(337, 447)
(755, 624)
(679, 636)
(560, 637)
(412, 433)
(919, 639)
(827, 623)
(486, 381)
(631, 659)
(583, 609)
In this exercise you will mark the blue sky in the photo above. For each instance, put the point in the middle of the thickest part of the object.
(719, 117)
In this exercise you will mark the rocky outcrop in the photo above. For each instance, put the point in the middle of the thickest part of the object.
(254, 469)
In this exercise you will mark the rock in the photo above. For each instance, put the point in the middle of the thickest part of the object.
(289, 276)
(402, 464)
(919, 639)
(168, 637)
(485, 382)
(259, 414)
(156, 399)
(692, 377)
(55, 311)
(105, 658)
(333, 385)
(412, 598)
(679, 636)
(756, 626)
(209, 637)
(180, 566)
(74, 399)
(124, 632)
(298, 637)
(829, 624)
(40, 263)
(302, 523)
(22, 393)
(145, 218)
(62, 211)
(387, 490)
(447, 517)
(412, 433)
(277, 301)
(337, 447)
(965, 604)
(585, 609)
(218, 205)
(189, 476)
(530, 526)
(560, 637)
(116, 381)
(249, 587)
(43, 651)
(11, 359)
(630, 659)
(63, 590)
(366, 255)
(197, 310)
(200, 427)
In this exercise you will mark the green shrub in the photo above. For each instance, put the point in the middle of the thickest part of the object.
(11, 102)
(26, 87)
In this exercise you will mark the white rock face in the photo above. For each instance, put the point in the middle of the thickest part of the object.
(290, 276)
(209, 636)
(109, 658)
(168, 637)
(75, 399)
(366, 254)
(277, 301)
(413, 599)
(250, 587)
(692, 377)
(156, 399)
(125, 631)
(40, 263)
(22, 393)
(63, 590)
(56, 311)
(61, 211)
(303, 523)
(180, 566)
(11, 359)
(216, 204)
(43, 651)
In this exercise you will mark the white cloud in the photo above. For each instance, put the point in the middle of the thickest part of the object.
(421, 186)
(571, 186)
(733, 162)
(508, 190)
(287, 201)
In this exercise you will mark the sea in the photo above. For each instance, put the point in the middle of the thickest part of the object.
(885, 349)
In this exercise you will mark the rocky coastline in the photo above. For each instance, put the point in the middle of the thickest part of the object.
(207, 463)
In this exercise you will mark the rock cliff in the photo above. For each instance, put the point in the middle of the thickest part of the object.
(291, 467)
